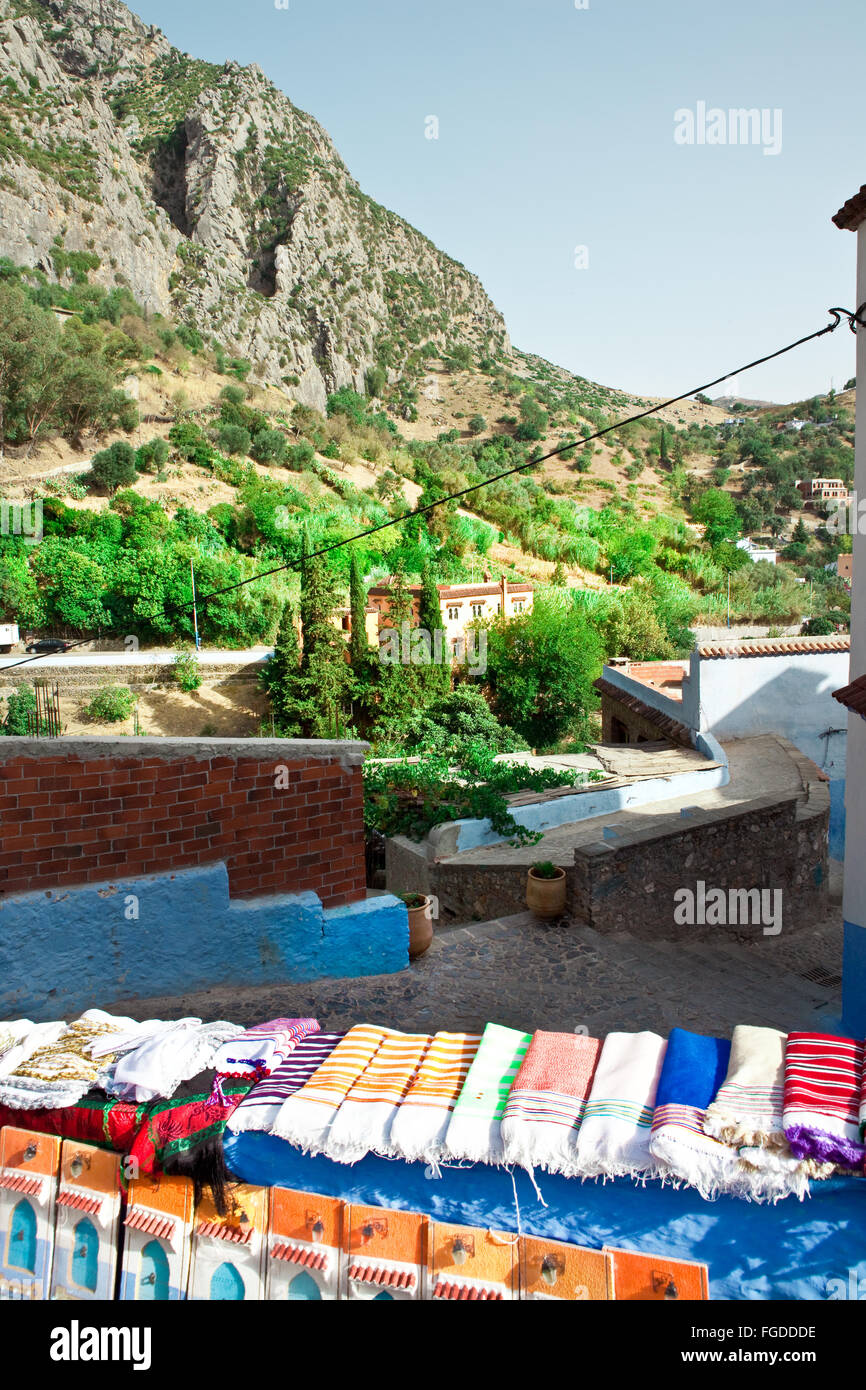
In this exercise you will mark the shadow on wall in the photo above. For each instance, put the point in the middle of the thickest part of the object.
(742, 697)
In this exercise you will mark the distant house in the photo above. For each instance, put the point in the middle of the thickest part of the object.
(822, 490)
(842, 567)
(461, 604)
(757, 552)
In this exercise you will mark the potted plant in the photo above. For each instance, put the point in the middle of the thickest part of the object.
(546, 887)
(420, 909)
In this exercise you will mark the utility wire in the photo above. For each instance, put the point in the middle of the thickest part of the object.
(837, 314)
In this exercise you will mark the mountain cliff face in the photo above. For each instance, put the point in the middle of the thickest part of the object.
(213, 198)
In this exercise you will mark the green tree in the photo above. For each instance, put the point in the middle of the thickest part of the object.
(716, 510)
(435, 679)
(234, 440)
(532, 424)
(269, 446)
(540, 668)
(114, 467)
(325, 674)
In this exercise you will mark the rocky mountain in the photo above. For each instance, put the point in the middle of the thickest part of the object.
(214, 199)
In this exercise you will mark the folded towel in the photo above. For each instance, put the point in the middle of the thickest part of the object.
(362, 1124)
(475, 1130)
(306, 1117)
(748, 1108)
(419, 1127)
(167, 1057)
(260, 1050)
(823, 1087)
(692, 1072)
(60, 1071)
(20, 1038)
(614, 1137)
(546, 1103)
(259, 1109)
(747, 1113)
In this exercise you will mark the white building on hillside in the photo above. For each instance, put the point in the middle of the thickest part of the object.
(757, 552)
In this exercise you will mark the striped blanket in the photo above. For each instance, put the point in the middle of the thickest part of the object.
(692, 1072)
(306, 1117)
(362, 1124)
(421, 1122)
(259, 1110)
(823, 1087)
(260, 1050)
(545, 1106)
(747, 1113)
(614, 1137)
(863, 1106)
(475, 1130)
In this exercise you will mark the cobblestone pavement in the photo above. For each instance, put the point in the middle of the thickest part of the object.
(528, 974)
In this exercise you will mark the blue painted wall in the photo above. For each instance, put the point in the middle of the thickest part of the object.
(77, 948)
(854, 981)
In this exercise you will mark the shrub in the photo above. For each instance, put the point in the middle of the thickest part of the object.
(186, 671)
(151, 456)
(114, 467)
(300, 456)
(234, 439)
(111, 704)
(235, 395)
(269, 446)
(476, 423)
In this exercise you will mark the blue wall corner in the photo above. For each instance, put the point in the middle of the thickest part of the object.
(64, 951)
(854, 981)
(837, 819)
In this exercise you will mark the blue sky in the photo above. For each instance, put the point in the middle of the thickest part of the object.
(556, 131)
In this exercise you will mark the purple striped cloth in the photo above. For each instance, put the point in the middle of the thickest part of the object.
(261, 1050)
(259, 1109)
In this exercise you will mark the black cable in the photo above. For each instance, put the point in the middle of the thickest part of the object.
(167, 610)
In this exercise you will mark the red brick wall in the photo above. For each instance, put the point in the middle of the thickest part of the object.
(68, 820)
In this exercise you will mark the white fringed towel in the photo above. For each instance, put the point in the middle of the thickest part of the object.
(545, 1106)
(362, 1124)
(306, 1117)
(614, 1138)
(419, 1127)
(475, 1129)
(176, 1052)
(20, 1038)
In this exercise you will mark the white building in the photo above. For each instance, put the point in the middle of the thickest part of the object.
(852, 217)
(757, 552)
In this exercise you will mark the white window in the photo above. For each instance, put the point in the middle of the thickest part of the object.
(453, 614)
(477, 610)
(518, 605)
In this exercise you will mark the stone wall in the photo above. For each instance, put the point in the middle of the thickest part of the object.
(774, 843)
(628, 883)
(284, 815)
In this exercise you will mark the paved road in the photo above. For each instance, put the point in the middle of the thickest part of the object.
(152, 656)
(529, 974)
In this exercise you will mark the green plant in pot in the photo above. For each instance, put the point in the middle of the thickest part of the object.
(546, 889)
(420, 909)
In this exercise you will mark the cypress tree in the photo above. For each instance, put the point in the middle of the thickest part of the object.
(325, 674)
(435, 678)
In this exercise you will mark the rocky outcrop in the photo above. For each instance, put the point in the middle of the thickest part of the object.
(208, 193)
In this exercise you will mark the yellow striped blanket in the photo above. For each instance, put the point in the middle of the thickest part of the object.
(363, 1122)
(306, 1117)
(420, 1124)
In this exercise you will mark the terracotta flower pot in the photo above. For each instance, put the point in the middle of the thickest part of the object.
(546, 896)
(420, 928)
